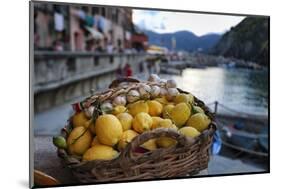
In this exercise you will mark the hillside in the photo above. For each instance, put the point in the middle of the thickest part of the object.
(248, 40)
(185, 40)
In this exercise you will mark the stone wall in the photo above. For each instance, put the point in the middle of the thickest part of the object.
(62, 76)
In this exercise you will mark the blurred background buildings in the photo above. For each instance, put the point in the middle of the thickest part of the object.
(85, 28)
(82, 48)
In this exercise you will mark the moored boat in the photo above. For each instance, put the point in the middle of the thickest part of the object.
(243, 132)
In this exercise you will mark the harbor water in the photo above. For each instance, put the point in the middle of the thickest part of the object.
(242, 90)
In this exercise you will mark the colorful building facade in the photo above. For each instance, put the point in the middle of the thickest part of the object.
(82, 28)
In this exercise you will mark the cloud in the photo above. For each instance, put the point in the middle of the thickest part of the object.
(149, 20)
(141, 24)
(200, 24)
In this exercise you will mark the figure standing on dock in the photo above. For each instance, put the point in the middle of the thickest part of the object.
(128, 70)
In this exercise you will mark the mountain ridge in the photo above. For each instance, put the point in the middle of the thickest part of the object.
(185, 40)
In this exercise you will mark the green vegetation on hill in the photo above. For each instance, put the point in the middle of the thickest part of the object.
(248, 40)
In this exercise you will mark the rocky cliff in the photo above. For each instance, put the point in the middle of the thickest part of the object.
(249, 40)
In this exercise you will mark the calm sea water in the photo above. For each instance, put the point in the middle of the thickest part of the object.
(239, 89)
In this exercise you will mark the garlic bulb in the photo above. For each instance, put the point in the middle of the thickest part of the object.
(106, 107)
(119, 100)
(171, 83)
(154, 78)
(145, 91)
(155, 91)
(163, 91)
(133, 95)
(172, 93)
(89, 111)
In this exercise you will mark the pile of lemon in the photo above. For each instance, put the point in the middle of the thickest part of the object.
(106, 136)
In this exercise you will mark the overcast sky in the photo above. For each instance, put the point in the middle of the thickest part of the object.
(199, 24)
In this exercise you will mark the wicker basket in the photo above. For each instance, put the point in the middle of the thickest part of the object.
(187, 157)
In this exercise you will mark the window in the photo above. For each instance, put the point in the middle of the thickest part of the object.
(95, 10)
(103, 11)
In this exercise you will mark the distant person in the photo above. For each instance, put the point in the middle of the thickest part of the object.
(109, 47)
(157, 66)
(58, 46)
(99, 46)
(90, 45)
(119, 44)
(149, 67)
(141, 67)
(128, 70)
(119, 72)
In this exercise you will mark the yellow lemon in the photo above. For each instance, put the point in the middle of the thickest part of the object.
(126, 138)
(167, 123)
(150, 144)
(155, 122)
(79, 140)
(180, 114)
(95, 141)
(182, 97)
(155, 107)
(165, 142)
(119, 109)
(189, 131)
(108, 129)
(91, 126)
(137, 107)
(142, 122)
(126, 120)
(167, 110)
(199, 121)
(79, 119)
(162, 100)
(100, 152)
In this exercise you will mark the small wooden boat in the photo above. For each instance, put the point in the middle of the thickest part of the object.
(252, 143)
(244, 132)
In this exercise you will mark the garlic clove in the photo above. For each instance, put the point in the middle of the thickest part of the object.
(171, 93)
(133, 95)
(89, 111)
(106, 107)
(163, 91)
(119, 100)
(155, 91)
(171, 83)
(154, 78)
(144, 91)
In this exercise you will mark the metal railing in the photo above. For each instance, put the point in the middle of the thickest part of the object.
(69, 54)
